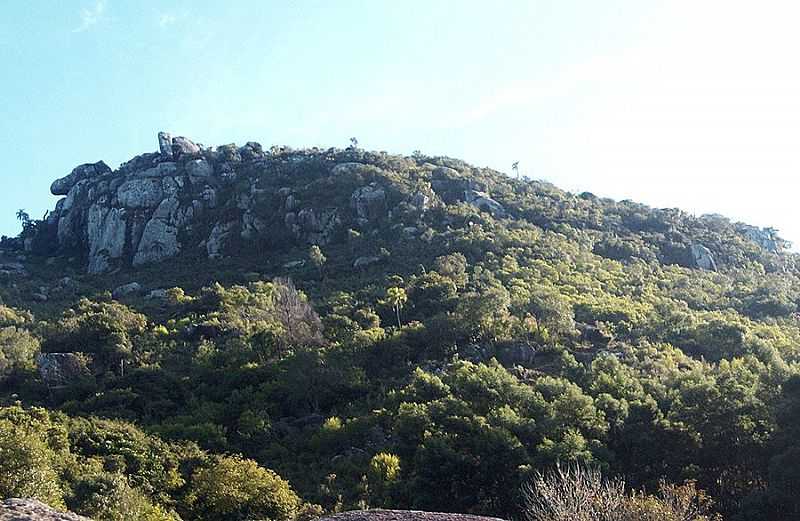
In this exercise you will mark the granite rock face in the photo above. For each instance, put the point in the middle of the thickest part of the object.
(79, 173)
(703, 258)
(403, 515)
(17, 509)
(189, 199)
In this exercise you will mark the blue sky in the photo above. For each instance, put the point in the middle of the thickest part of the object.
(693, 105)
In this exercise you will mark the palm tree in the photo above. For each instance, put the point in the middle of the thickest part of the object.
(396, 297)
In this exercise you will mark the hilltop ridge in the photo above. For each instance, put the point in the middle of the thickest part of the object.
(211, 202)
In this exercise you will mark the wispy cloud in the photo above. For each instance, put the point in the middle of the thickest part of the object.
(164, 20)
(90, 16)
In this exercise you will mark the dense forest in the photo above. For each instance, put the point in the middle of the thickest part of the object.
(448, 336)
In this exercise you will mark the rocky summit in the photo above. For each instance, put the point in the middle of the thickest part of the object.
(216, 202)
(190, 197)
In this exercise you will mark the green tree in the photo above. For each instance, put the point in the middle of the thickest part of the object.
(317, 258)
(27, 465)
(237, 489)
(18, 349)
(396, 298)
(109, 497)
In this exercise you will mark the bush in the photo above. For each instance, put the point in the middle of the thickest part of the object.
(578, 493)
(234, 488)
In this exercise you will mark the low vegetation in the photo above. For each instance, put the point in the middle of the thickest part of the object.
(567, 360)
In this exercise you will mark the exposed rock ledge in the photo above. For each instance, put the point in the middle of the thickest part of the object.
(15, 509)
(403, 515)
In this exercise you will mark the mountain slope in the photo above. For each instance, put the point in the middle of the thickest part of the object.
(399, 332)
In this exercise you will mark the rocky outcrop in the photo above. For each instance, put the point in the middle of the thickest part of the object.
(403, 515)
(314, 226)
(483, 202)
(126, 289)
(185, 197)
(60, 368)
(363, 262)
(136, 214)
(369, 203)
(79, 173)
(218, 238)
(17, 509)
(518, 354)
(766, 238)
(703, 258)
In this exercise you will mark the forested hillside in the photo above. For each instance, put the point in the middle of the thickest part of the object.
(239, 333)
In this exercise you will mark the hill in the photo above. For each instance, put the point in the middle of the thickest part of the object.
(344, 329)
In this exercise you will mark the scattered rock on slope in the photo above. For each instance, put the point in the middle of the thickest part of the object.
(403, 515)
(703, 258)
(15, 509)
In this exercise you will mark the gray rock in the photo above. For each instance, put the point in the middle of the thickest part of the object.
(126, 289)
(199, 168)
(363, 262)
(17, 509)
(218, 238)
(106, 235)
(369, 202)
(157, 294)
(229, 153)
(518, 354)
(164, 169)
(294, 264)
(141, 193)
(60, 368)
(182, 146)
(315, 226)
(348, 168)
(291, 203)
(252, 225)
(766, 238)
(159, 241)
(703, 258)
(420, 201)
(251, 151)
(86, 171)
(165, 144)
(482, 201)
(209, 197)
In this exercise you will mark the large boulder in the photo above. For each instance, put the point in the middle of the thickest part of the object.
(182, 146)
(199, 168)
(521, 354)
(314, 226)
(126, 289)
(484, 202)
(703, 258)
(403, 515)
(60, 368)
(766, 238)
(79, 173)
(141, 193)
(165, 144)
(27, 509)
(218, 238)
(369, 202)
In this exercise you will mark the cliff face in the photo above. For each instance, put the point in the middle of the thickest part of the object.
(188, 197)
